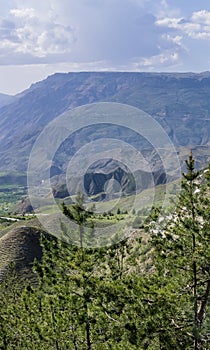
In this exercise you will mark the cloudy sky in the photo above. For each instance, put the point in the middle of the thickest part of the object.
(40, 37)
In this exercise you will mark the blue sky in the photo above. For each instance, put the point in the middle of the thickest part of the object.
(38, 38)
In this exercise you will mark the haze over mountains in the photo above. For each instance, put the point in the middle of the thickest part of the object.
(179, 102)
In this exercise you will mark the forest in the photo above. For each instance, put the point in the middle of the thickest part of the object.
(149, 291)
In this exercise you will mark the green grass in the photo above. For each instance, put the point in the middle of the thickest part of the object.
(8, 201)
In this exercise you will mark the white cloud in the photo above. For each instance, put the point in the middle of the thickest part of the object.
(29, 33)
(169, 22)
(202, 17)
(44, 41)
(24, 13)
(162, 61)
(177, 39)
(201, 35)
(196, 26)
(83, 31)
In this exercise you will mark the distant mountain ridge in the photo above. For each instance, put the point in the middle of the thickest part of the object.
(6, 99)
(179, 101)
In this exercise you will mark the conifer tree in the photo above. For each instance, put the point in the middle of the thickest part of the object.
(181, 247)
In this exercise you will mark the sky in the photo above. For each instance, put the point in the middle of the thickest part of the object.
(39, 38)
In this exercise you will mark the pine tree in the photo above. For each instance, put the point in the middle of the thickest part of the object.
(181, 247)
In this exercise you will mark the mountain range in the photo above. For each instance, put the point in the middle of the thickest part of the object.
(180, 102)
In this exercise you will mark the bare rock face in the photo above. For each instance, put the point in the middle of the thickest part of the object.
(108, 179)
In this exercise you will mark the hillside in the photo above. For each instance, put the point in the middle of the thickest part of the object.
(6, 99)
(143, 291)
(20, 245)
(180, 102)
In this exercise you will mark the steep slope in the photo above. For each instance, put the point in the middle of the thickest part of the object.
(20, 245)
(180, 102)
(6, 99)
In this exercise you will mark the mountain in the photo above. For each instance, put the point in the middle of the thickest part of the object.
(6, 99)
(180, 102)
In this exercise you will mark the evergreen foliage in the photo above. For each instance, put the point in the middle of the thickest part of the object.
(126, 296)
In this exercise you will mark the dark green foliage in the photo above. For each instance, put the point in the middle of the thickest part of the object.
(182, 258)
(137, 294)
